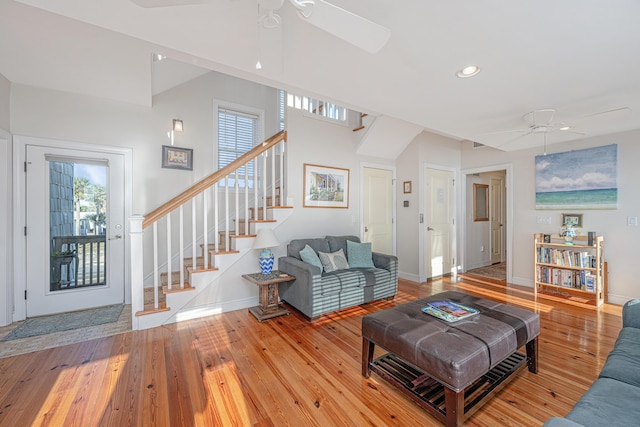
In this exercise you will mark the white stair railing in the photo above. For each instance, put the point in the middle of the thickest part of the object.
(272, 147)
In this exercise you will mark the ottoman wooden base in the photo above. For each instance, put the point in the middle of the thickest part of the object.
(446, 405)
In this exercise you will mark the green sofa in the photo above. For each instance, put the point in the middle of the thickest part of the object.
(316, 292)
(614, 398)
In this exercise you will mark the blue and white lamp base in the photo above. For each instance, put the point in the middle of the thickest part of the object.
(266, 264)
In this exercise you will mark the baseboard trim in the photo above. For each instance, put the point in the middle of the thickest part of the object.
(211, 309)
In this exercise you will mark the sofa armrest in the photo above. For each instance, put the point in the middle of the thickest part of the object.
(384, 261)
(297, 268)
(561, 422)
(631, 314)
(300, 292)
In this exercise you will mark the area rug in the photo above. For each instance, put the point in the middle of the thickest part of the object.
(495, 271)
(65, 322)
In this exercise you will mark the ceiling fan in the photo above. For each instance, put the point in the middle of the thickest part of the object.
(543, 122)
(348, 26)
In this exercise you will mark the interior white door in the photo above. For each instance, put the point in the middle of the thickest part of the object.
(439, 222)
(497, 219)
(75, 229)
(378, 209)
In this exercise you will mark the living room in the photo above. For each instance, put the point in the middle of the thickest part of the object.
(27, 110)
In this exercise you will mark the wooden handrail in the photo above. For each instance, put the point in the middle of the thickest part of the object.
(212, 179)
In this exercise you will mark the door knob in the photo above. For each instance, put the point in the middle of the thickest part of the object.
(430, 229)
(366, 229)
(116, 237)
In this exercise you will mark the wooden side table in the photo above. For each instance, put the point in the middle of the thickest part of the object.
(268, 294)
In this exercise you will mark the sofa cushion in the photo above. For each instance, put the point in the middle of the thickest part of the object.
(308, 255)
(340, 242)
(623, 363)
(333, 261)
(359, 255)
(608, 403)
(295, 246)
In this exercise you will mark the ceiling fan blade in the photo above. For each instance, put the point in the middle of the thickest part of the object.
(166, 3)
(605, 117)
(348, 26)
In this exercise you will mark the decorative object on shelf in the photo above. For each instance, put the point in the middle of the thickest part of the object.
(568, 232)
(557, 176)
(177, 158)
(325, 187)
(407, 187)
(266, 240)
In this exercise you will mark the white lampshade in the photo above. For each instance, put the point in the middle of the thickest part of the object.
(265, 239)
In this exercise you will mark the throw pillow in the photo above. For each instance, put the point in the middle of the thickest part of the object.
(308, 255)
(359, 255)
(334, 261)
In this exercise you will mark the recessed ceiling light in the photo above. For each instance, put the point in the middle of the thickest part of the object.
(566, 127)
(468, 71)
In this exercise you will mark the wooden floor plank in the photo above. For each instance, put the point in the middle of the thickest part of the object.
(230, 370)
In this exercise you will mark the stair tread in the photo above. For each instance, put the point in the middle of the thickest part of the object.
(199, 269)
(358, 128)
(174, 289)
(150, 309)
(223, 252)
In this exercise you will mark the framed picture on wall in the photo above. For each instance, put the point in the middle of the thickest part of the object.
(407, 187)
(177, 158)
(325, 187)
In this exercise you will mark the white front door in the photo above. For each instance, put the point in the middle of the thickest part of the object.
(497, 219)
(75, 229)
(378, 209)
(439, 222)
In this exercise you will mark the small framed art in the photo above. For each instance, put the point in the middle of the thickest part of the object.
(177, 158)
(407, 187)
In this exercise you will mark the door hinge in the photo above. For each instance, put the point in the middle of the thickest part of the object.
(453, 182)
(25, 230)
(25, 166)
(25, 294)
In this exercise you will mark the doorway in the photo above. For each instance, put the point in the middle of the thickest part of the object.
(378, 209)
(75, 229)
(489, 244)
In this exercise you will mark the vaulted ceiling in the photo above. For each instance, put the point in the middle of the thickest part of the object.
(578, 57)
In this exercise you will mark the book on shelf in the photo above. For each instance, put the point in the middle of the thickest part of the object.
(449, 310)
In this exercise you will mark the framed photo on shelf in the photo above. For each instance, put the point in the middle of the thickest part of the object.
(574, 220)
(407, 187)
(325, 187)
(177, 158)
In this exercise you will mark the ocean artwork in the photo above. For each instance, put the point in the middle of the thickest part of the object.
(579, 179)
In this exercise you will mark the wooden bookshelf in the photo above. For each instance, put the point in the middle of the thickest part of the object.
(573, 272)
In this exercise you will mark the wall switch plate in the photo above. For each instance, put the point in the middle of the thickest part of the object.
(540, 219)
(632, 221)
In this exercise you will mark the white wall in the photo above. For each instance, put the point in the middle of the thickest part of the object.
(621, 241)
(65, 116)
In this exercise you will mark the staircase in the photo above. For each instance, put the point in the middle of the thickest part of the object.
(185, 245)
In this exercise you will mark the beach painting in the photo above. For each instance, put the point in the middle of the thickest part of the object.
(579, 179)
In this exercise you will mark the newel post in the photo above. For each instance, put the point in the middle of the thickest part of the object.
(137, 271)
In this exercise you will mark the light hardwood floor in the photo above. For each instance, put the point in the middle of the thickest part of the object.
(230, 370)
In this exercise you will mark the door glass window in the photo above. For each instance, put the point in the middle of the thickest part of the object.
(77, 224)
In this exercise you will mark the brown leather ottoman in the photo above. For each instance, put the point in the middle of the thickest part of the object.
(450, 369)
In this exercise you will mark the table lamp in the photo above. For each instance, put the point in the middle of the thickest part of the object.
(265, 240)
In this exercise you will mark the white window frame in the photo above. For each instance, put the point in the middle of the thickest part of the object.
(220, 104)
(305, 103)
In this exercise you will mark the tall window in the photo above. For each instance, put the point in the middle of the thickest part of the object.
(238, 132)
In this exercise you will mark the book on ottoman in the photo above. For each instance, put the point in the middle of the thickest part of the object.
(449, 310)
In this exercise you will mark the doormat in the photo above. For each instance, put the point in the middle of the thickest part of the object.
(65, 322)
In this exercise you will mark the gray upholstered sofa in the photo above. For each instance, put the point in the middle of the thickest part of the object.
(614, 398)
(316, 291)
